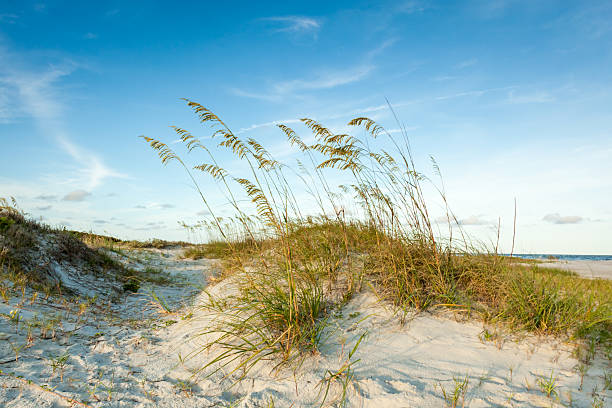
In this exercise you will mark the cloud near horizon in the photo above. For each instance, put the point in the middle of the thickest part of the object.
(556, 218)
(76, 195)
(45, 197)
(471, 220)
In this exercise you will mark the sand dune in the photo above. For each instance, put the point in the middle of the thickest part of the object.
(127, 354)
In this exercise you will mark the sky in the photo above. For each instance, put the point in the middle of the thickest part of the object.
(513, 99)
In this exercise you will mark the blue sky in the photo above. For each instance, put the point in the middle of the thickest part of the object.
(511, 97)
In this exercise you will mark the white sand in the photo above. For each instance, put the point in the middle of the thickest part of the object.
(124, 355)
(588, 269)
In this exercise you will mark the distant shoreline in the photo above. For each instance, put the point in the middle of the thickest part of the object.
(563, 257)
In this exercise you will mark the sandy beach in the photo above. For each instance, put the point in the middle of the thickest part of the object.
(587, 269)
(134, 354)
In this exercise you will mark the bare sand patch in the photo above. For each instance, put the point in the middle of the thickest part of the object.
(587, 269)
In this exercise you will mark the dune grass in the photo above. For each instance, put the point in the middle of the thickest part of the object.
(293, 265)
(23, 240)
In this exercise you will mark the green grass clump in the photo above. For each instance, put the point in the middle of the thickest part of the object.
(108, 242)
(21, 251)
(293, 264)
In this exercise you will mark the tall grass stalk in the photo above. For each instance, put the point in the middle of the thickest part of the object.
(292, 266)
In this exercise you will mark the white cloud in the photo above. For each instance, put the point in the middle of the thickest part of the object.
(535, 97)
(267, 124)
(469, 221)
(90, 36)
(324, 81)
(46, 197)
(466, 63)
(474, 220)
(33, 92)
(94, 171)
(410, 7)
(295, 24)
(478, 92)
(33, 89)
(77, 195)
(328, 80)
(8, 18)
(556, 218)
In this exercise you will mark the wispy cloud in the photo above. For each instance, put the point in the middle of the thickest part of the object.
(556, 218)
(76, 195)
(8, 18)
(331, 79)
(410, 7)
(35, 94)
(441, 78)
(477, 92)
(591, 19)
(534, 97)
(153, 225)
(267, 124)
(466, 63)
(90, 36)
(295, 24)
(490, 9)
(472, 220)
(46, 197)
(94, 171)
(34, 89)
(324, 81)
(155, 206)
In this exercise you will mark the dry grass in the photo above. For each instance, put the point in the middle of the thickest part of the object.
(296, 268)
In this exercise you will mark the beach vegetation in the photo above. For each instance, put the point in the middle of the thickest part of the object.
(58, 363)
(548, 385)
(290, 265)
(455, 396)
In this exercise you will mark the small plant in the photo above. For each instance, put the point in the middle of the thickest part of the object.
(598, 402)
(150, 395)
(17, 349)
(344, 376)
(58, 363)
(458, 393)
(511, 368)
(110, 388)
(14, 316)
(582, 370)
(5, 292)
(5, 223)
(548, 385)
(184, 387)
(607, 377)
(160, 302)
(132, 285)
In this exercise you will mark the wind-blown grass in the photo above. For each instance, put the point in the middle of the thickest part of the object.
(295, 266)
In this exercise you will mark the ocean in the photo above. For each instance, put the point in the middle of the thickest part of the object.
(565, 257)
